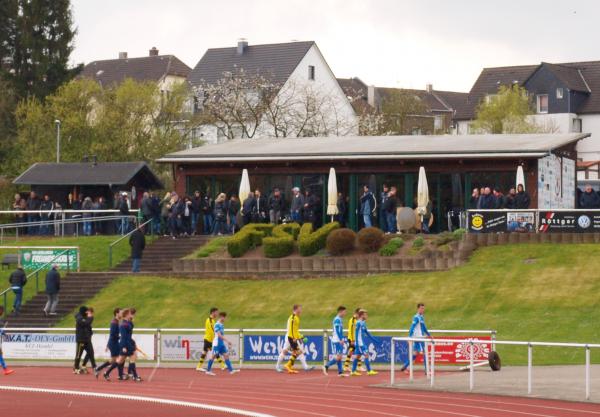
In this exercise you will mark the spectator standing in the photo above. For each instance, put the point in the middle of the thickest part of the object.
(248, 208)
(310, 207)
(17, 281)
(83, 338)
(368, 206)
(165, 209)
(207, 214)
(589, 198)
(124, 213)
(383, 196)
(187, 216)
(196, 205)
(297, 205)
(510, 198)
(522, 199)
(87, 224)
(176, 216)
(18, 205)
(499, 199)
(260, 208)
(220, 226)
(389, 210)
(137, 241)
(146, 208)
(155, 206)
(233, 208)
(101, 206)
(33, 204)
(276, 206)
(474, 200)
(52, 290)
(487, 200)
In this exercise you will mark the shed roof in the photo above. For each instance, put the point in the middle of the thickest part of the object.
(378, 147)
(87, 173)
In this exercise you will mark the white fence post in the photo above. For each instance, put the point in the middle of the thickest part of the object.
(393, 364)
(410, 360)
(432, 369)
(471, 366)
(587, 372)
(241, 352)
(529, 366)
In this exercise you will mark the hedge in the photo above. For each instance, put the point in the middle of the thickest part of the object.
(310, 242)
(281, 242)
(370, 239)
(250, 236)
(340, 242)
(391, 248)
(419, 242)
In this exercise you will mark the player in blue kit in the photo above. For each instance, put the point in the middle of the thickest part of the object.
(362, 349)
(127, 348)
(417, 329)
(5, 369)
(113, 343)
(221, 345)
(337, 342)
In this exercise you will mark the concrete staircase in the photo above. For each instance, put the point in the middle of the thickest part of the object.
(78, 287)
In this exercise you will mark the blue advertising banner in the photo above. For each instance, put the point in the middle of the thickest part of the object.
(266, 348)
(382, 352)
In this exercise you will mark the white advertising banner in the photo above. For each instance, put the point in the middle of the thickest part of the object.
(62, 346)
(178, 347)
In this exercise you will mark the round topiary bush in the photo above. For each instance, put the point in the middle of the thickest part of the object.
(370, 239)
(340, 242)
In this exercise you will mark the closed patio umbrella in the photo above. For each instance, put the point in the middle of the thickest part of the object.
(244, 186)
(332, 208)
(520, 177)
(422, 193)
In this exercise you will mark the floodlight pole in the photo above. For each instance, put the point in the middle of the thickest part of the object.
(57, 122)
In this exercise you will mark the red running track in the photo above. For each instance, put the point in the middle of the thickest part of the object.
(304, 394)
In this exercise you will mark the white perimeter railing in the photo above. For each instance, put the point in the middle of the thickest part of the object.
(430, 358)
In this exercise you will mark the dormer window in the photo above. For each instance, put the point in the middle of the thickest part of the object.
(542, 103)
(311, 72)
(559, 93)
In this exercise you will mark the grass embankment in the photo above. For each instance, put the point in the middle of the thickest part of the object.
(527, 292)
(216, 244)
(93, 256)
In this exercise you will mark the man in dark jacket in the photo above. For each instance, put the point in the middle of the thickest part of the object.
(146, 207)
(510, 199)
(17, 281)
(52, 290)
(390, 204)
(260, 208)
(276, 206)
(207, 208)
(487, 201)
(137, 241)
(83, 337)
(297, 205)
(500, 200)
(124, 213)
(589, 198)
(33, 204)
(196, 209)
(522, 199)
(248, 205)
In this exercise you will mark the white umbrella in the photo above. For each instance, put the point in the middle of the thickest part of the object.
(422, 193)
(244, 186)
(332, 208)
(520, 177)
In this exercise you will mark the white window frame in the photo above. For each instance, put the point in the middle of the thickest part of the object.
(538, 100)
(311, 73)
(560, 93)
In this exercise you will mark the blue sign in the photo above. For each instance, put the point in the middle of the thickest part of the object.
(382, 352)
(266, 348)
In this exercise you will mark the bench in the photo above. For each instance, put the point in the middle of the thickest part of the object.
(10, 259)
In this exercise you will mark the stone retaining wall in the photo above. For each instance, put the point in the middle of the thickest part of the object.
(488, 239)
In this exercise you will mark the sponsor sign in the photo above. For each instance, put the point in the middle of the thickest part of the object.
(569, 221)
(188, 347)
(32, 259)
(266, 348)
(493, 221)
(62, 346)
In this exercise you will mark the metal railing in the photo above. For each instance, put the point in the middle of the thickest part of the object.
(111, 245)
(430, 358)
(4, 293)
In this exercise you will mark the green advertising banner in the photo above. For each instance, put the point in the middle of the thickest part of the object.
(32, 259)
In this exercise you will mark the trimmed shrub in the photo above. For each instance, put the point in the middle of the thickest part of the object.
(419, 242)
(458, 234)
(340, 242)
(249, 237)
(370, 239)
(281, 242)
(310, 242)
(392, 247)
(443, 238)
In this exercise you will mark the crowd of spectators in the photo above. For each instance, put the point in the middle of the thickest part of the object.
(488, 198)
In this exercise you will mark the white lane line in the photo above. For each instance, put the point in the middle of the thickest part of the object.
(153, 400)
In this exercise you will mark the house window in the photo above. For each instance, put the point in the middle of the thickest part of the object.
(577, 126)
(438, 122)
(311, 72)
(559, 93)
(542, 103)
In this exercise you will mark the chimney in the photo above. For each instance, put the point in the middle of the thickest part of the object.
(122, 55)
(371, 95)
(241, 46)
(429, 88)
(153, 51)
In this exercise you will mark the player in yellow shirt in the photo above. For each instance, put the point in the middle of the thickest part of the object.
(209, 336)
(293, 340)
(351, 341)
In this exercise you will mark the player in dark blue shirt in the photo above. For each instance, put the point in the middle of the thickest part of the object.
(113, 342)
(127, 347)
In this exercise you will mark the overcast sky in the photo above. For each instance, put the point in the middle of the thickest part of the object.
(394, 43)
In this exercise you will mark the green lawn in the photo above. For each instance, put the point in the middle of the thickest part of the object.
(526, 292)
(210, 247)
(93, 255)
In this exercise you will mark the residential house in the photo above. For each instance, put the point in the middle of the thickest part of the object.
(291, 67)
(435, 116)
(166, 70)
(566, 97)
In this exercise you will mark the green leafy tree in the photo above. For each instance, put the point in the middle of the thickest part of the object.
(399, 109)
(507, 111)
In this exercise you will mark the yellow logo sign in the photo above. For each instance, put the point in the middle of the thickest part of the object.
(477, 222)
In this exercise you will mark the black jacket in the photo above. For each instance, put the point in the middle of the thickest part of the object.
(83, 328)
(390, 204)
(522, 200)
(500, 201)
(18, 278)
(276, 203)
(487, 201)
(509, 201)
(123, 208)
(589, 200)
(248, 206)
(147, 207)
(52, 281)
(137, 241)
(196, 204)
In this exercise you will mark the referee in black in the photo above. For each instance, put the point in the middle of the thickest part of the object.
(83, 337)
